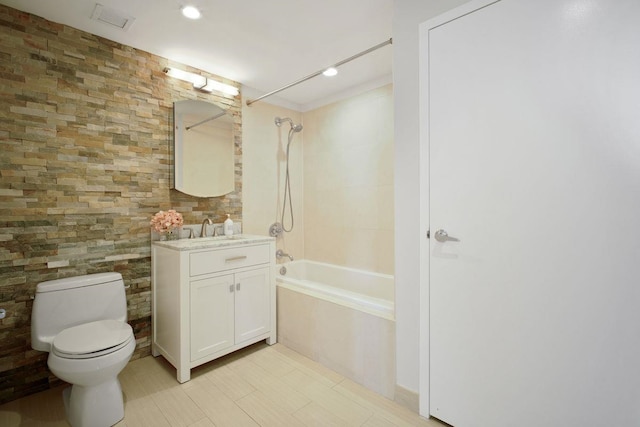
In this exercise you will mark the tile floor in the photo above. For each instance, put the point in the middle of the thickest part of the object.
(256, 386)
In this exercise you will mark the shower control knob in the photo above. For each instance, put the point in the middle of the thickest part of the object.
(276, 230)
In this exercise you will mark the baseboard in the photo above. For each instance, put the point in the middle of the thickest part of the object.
(407, 398)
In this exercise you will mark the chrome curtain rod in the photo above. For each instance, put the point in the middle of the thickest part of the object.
(317, 73)
(206, 120)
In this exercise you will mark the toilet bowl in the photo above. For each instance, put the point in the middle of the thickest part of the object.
(81, 322)
(90, 356)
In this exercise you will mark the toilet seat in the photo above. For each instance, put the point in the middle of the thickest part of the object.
(92, 339)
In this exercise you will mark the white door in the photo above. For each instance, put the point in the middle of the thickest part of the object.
(534, 166)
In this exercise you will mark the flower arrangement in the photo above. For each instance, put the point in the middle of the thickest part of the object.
(165, 222)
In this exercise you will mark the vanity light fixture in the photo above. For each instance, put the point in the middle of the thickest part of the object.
(330, 72)
(195, 79)
(191, 12)
(201, 82)
(212, 85)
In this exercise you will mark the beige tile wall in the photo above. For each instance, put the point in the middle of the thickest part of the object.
(341, 179)
(355, 344)
(348, 182)
(264, 160)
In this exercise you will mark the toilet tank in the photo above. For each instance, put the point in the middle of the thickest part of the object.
(63, 303)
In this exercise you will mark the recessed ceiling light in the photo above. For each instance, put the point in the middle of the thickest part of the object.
(330, 72)
(191, 12)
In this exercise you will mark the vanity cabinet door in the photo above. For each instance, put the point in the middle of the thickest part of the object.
(253, 305)
(211, 316)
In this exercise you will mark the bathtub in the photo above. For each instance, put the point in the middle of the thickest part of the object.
(358, 289)
(340, 317)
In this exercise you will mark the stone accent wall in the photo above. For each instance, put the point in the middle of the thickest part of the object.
(85, 136)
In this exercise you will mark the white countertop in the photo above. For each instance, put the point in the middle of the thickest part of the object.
(212, 242)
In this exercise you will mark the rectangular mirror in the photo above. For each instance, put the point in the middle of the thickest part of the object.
(203, 149)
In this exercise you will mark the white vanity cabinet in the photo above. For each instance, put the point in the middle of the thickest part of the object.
(228, 310)
(210, 298)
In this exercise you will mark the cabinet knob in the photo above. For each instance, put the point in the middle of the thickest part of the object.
(237, 286)
(230, 288)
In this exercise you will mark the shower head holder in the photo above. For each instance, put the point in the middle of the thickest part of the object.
(278, 121)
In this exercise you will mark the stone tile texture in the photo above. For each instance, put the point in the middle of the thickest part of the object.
(85, 161)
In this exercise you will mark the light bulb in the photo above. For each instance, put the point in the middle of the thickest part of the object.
(330, 72)
(191, 12)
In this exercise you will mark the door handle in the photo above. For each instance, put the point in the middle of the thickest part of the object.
(442, 236)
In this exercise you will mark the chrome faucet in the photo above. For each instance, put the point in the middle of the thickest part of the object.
(280, 254)
(203, 231)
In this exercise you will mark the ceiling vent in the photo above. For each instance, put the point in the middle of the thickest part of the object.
(112, 17)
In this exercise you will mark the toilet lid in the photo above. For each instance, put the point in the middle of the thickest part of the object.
(92, 339)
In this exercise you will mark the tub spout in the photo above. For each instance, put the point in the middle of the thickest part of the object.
(280, 254)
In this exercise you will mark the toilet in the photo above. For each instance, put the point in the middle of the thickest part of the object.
(82, 323)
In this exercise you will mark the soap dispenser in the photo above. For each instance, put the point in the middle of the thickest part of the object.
(228, 226)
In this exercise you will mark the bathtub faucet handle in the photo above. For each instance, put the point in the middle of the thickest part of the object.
(280, 254)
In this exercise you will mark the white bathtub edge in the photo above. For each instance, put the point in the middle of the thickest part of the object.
(328, 297)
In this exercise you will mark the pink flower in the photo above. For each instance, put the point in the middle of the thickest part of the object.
(163, 222)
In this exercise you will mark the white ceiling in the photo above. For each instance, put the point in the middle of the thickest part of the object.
(263, 44)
